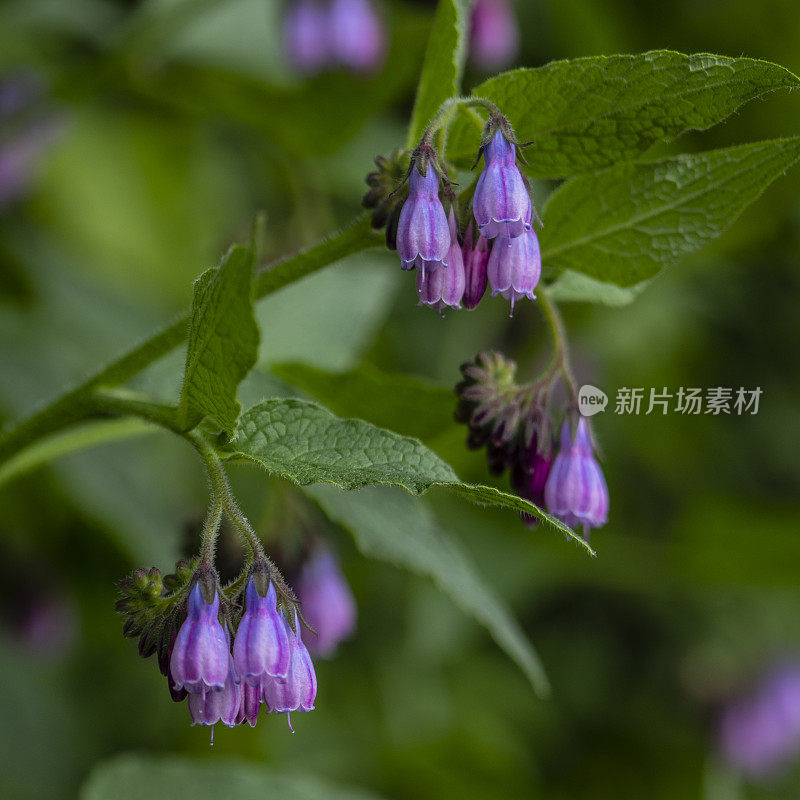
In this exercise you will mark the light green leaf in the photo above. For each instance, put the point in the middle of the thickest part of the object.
(132, 777)
(223, 341)
(624, 224)
(443, 65)
(390, 526)
(571, 286)
(589, 113)
(404, 403)
(305, 443)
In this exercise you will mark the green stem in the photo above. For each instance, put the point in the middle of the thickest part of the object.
(80, 402)
(560, 362)
(221, 493)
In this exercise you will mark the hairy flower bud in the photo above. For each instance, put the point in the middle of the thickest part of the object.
(476, 258)
(501, 204)
(327, 602)
(576, 490)
(261, 646)
(356, 35)
(200, 656)
(444, 287)
(305, 38)
(494, 34)
(423, 233)
(515, 266)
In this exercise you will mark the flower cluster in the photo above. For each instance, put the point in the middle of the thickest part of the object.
(343, 32)
(452, 270)
(514, 425)
(226, 678)
(758, 732)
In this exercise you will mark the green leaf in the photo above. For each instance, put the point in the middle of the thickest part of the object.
(132, 777)
(305, 443)
(223, 341)
(624, 224)
(571, 286)
(404, 403)
(443, 65)
(390, 526)
(589, 113)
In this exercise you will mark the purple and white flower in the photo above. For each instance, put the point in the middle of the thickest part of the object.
(576, 490)
(515, 266)
(442, 288)
(501, 204)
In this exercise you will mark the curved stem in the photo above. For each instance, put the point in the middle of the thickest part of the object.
(560, 362)
(221, 493)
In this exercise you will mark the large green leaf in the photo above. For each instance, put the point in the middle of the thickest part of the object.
(393, 527)
(133, 777)
(404, 403)
(443, 65)
(589, 113)
(624, 224)
(305, 443)
(223, 341)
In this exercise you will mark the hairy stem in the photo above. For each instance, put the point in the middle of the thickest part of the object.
(560, 362)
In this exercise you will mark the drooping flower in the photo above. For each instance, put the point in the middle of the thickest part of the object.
(576, 490)
(441, 288)
(298, 690)
(356, 35)
(305, 38)
(261, 647)
(515, 266)
(758, 732)
(423, 233)
(201, 654)
(476, 259)
(501, 204)
(251, 704)
(327, 602)
(217, 705)
(494, 34)
(530, 473)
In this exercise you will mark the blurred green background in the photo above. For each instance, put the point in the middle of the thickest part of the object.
(167, 126)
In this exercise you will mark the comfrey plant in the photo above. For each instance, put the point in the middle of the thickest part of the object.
(618, 217)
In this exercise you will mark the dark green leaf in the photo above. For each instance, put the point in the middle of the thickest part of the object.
(223, 341)
(305, 443)
(404, 403)
(132, 777)
(624, 224)
(392, 527)
(443, 65)
(589, 113)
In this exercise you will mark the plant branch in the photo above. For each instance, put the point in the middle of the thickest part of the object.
(80, 402)
(560, 362)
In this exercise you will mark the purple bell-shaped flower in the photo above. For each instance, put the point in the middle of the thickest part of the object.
(261, 647)
(501, 204)
(356, 35)
(327, 602)
(444, 287)
(576, 490)
(217, 705)
(494, 34)
(423, 233)
(476, 258)
(201, 654)
(515, 266)
(298, 690)
(305, 37)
